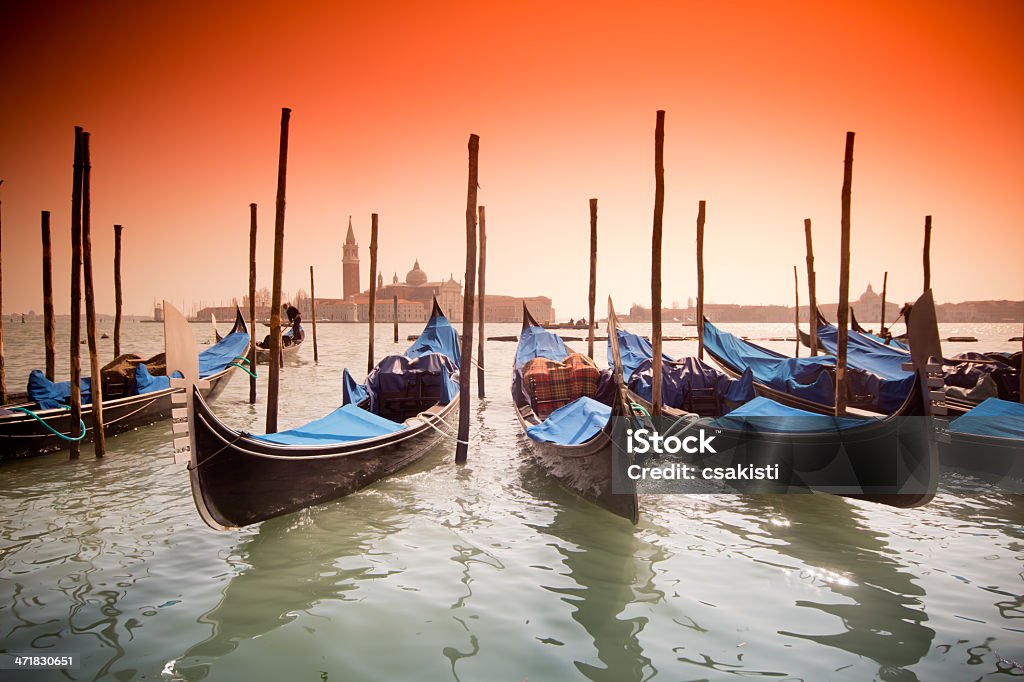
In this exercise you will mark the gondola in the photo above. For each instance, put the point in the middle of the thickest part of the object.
(888, 460)
(407, 404)
(27, 429)
(289, 348)
(988, 441)
(580, 457)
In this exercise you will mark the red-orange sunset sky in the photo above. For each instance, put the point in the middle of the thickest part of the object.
(183, 102)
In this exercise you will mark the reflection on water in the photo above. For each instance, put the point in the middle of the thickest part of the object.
(491, 570)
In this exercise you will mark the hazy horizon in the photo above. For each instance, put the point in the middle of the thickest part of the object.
(183, 105)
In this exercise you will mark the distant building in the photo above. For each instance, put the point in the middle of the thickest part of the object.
(350, 264)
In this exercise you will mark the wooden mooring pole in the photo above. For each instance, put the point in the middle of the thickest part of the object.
(394, 316)
(274, 373)
(252, 304)
(75, 399)
(118, 297)
(592, 286)
(700, 279)
(372, 312)
(480, 388)
(881, 323)
(796, 311)
(49, 322)
(844, 279)
(927, 252)
(99, 440)
(812, 294)
(659, 210)
(462, 445)
(312, 313)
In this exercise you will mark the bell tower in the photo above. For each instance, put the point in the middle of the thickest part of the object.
(350, 264)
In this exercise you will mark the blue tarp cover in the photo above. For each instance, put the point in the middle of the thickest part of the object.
(633, 350)
(347, 423)
(572, 424)
(351, 392)
(220, 355)
(807, 378)
(147, 383)
(438, 337)
(537, 342)
(994, 417)
(889, 384)
(49, 395)
(767, 416)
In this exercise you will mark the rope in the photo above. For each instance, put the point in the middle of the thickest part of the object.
(637, 407)
(81, 424)
(254, 375)
(454, 436)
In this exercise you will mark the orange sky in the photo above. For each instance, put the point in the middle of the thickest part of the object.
(183, 103)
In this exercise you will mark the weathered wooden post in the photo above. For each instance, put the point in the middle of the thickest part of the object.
(700, 279)
(927, 252)
(481, 391)
(592, 285)
(49, 324)
(394, 315)
(3, 369)
(844, 279)
(118, 299)
(462, 444)
(274, 374)
(796, 310)
(99, 440)
(881, 324)
(659, 210)
(252, 304)
(812, 298)
(312, 299)
(373, 287)
(75, 399)
(1020, 369)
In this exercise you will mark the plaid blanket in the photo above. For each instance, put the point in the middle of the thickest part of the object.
(552, 384)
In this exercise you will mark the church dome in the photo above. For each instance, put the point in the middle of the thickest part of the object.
(869, 295)
(416, 277)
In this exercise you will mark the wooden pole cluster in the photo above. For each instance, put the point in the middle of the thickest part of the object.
(592, 288)
(481, 390)
(96, 390)
(49, 324)
(844, 278)
(75, 362)
(659, 210)
(812, 310)
(700, 279)
(312, 313)
(394, 315)
(462, 446)
(118, 299)
(274, 374)
(927, 252)
(881, 323)
(796, 311)
(373, 286)
(3, 369)
(252, 303)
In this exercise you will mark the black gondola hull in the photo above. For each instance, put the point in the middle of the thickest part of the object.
(238, 480)
(22, 435)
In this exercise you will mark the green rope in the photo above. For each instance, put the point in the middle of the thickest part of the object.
(637, 407)
(81, 424)
(242, 359)
(254, 375)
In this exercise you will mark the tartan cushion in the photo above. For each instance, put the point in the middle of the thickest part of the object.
(552, 384)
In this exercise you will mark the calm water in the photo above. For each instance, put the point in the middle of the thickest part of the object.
(490, 571)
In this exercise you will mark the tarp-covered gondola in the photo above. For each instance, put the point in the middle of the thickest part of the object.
(407, 404)
(135, 393)
(566, 407)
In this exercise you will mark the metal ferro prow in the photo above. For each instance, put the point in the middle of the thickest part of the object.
(180, 349)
